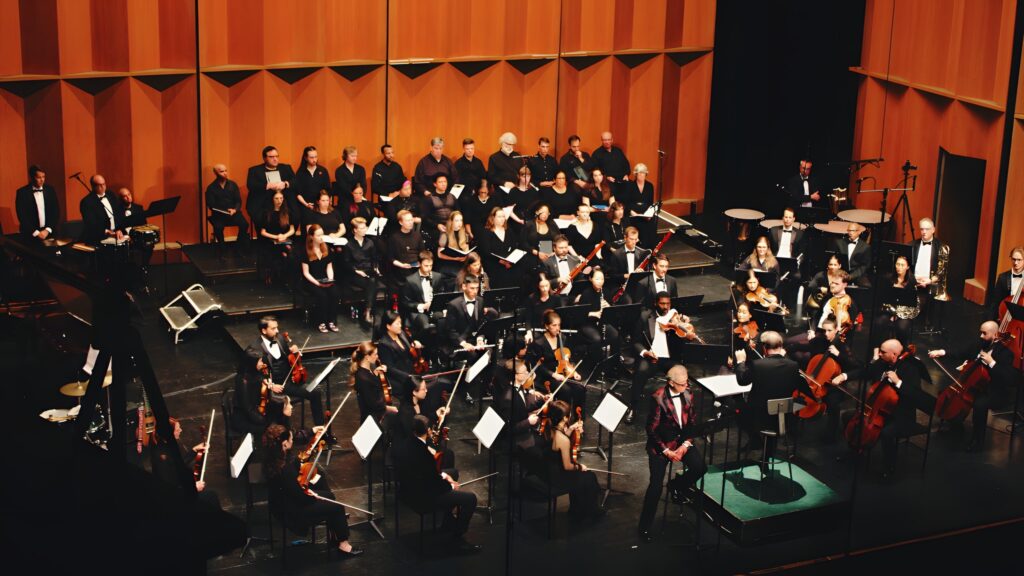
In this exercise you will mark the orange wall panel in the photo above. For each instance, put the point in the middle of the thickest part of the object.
(75, 36)
(531, 27)
(147, 147)
(10, 38)
(640, 132)
(352, 113)
(113, 128)
(689, 157)
(1012, 231)
(79, 134)
(214, 35)
(638, 24)
(177, 34)
(420, 30)
(698, 23)
(342, 41)
(12, 156)
(588, 25)
(143, 18)
(416, 109)
(179, 170)
(110, 35)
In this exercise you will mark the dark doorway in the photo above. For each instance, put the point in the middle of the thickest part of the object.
(961, 181)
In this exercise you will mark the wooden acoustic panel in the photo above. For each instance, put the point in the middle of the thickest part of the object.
(13, 161)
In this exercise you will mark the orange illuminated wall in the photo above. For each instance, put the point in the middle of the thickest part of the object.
(153, 93)
(934, 73)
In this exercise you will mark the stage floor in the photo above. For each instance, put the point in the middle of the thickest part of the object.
(348, 336)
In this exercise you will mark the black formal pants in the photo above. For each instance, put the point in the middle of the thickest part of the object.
(370, 285)
(658, 464)
(645, 370)
(220, 221)
(316, 405)
(886, 327)
(464, 504)
(591, 333)
(994, 395)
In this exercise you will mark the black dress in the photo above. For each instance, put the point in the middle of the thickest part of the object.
(582, 487)
(300, 510)
(564, 204)
(324, 298)
(370, 395)
(277, 254)
(475, 212)
(583, 245)
(491, 247)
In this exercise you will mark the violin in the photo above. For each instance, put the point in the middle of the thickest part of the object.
(439, 432)
(385, 386)
(957, 399)
(420, 364)
(299, 373)
(197, 464)
(746, 331)
(543, 421)
(840, 306)
(307, 462)
(577, 437)
(821, 369)
(681, 329)
(765, 299)
(264, 389)
(865, 428)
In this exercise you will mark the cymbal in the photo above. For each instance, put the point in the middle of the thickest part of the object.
(74, 389)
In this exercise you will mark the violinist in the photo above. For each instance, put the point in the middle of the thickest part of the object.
(1008, 283)
(895, 367)
(653, 339)
(249, 382)
(520, 402)
(670, 435)
(418, 402)
(418, 294)
(759, 297)
(895, 320)
(274, 349)
(595, 331)
(761, 259)
(839, 306)
(745, 331)
(568, 474)
(770, 377)
(397, 351)
(561, 265)
(300, 509)
(557, 360)
(996, 360)
(163, 466)
(656, 282)
(539, 302)
(424, 488)
(369, 378)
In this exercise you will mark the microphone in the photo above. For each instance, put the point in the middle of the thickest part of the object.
(908, 166)
(75, 175)
(661, 152)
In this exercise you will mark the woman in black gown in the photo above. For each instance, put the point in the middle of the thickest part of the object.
(495, 243)
(566, 473)
(318, 276)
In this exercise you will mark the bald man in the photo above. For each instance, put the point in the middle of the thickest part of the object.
(997, 360)
(611, 160)
(225, 204)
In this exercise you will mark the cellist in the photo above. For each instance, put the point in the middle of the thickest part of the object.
(1008, 283)
(997, 360)
(828, 344)
(274, 349)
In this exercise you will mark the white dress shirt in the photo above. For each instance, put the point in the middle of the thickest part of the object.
(923, 267)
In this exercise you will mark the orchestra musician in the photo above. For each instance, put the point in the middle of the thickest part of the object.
(396, 349)
(895, 320)
(671, 419)
(771, 377)
(263, 180)
(597, 296)
(424, 488)
(435, 162)
(463, 317)
(1007, 283)
(839, 306)
(349, 177)
(477, 207)
(745, 331)
(926, 254)
(418, 401)
(299, 508)
(132, 215)
(787, 241)
(37, 206)
(656, 282)
(473, 266)
(471, 170)
(761, 259)
(519, 403)
(274, 350)
(100, 216)
(830, 344)
(224, 201)
(361, 258)
(503, 165)
(557, 360)
(653, 339)
(418, 294)
(542, 299)
(164, 468)
(803, 189)
(625, 260)
(817, 288)
(997, 360)
(318, 273)
(567, 474)
(365, 376)
(854, 255)
(388, 175)
(561, 265)
(249, 380)
(759, 297)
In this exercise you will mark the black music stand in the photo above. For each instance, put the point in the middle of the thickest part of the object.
(441, 299)
(687, 304)
(811, 215)
(497, 298)
(893, 250)
(767, 279)
(573, 316)
(162, 208)
(769, 320)
(619, 317)
(707, 354)
(632, 281)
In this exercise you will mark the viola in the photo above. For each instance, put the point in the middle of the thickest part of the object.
(840, 306)
(957, 399)
(765, 299)
(299, 373)
(264, 389)
(747, 331)
(420, 364)
(542, 423)
(821, 369)
(307, 462)
(865, 428)
(385, 386)
(577, 437)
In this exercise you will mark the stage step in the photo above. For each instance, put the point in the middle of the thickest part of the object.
(179, 318)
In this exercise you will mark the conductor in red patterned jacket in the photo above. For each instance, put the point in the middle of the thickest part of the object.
(671, 422)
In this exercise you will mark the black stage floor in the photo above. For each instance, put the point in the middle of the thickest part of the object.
(956, 489)
(216, 261)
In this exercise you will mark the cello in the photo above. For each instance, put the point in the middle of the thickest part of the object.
(957, 399)
(865, 428)
(821, 369)
(1007, 325)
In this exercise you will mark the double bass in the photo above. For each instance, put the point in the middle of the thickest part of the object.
(957, 399)
(1008, 325)
(865, 428)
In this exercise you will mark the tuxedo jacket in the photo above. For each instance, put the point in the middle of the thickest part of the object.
(795, 191)
(664, 431)
(551, 267)
(618, 259)
(459, 324)
(417, 471)
(95, 219)
(915, 248)
(796, 241)
(28, 215)
(860, 263)
(412, 291)
(1000, 291)
(517, 412)
(646, 289)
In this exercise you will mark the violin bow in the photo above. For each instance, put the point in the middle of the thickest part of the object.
(440, 421)
(206, 451)
(327, 426)
(548, 401)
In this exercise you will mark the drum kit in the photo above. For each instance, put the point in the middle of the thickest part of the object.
(98, 432)
(146, 235)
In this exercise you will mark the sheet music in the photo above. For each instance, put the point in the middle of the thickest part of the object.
(649, 213)
(609, 412)
(508, 210)
(514, 257)
(273, 177)
(478, 366)
(221, 211)
(385, 198)
(488, 428)
(114, 241)
(366, 437)
(376, 227)
(724, 385)
(505, 189)
(457, 190)
(323, 374)
(340, 241)
(562, 224)
(241, 456)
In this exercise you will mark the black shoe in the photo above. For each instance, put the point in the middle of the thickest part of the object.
(460, 545)
(630, 416)
(645, 536)
(331, 439)
(351, 554)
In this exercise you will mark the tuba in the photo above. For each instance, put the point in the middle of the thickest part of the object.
(938, 288)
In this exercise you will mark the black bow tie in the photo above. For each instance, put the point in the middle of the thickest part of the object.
(674, 396)
(630, 251)
(926, 243)
(37, 189)
(784, 231)
(1017, 275)
(560, 260)
(425, 278)
(851, 241)
(468, 302)
(272, 343)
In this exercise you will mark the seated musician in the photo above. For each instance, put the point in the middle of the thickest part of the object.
(423, 488)
(1008, 283)
(536, 230)
(396, 350)
(403, 201)
(494, 243)
(288, 498)
(519, 403)
(539, 302)
(561, 198)
(164, 468)
(653, 337)
(100, 216)
(361, 257)
(524, 196)
(417, 400)
(896, 320)
(599, 191)
(463, 317)
(274, 350)
(357, 206)
(133, 215)
(595, 333)
(318, 276)
(372, 391)
(761, 259)
(455, 237)
(854, 255)
(557, 362)
(759, 297)
(995, 359)
(624, 260)
(224, 201)
(476, 207)
(670, 434)
(560, 266)
(839, 306)
(473, 266)
(418, 295)
(900, 369)
(277, 232)
(772, 377)
(404, 248)
(656, 282)
(787, 241)
(37, 206)
(817, 288)
(828, 343)
(566, 473)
